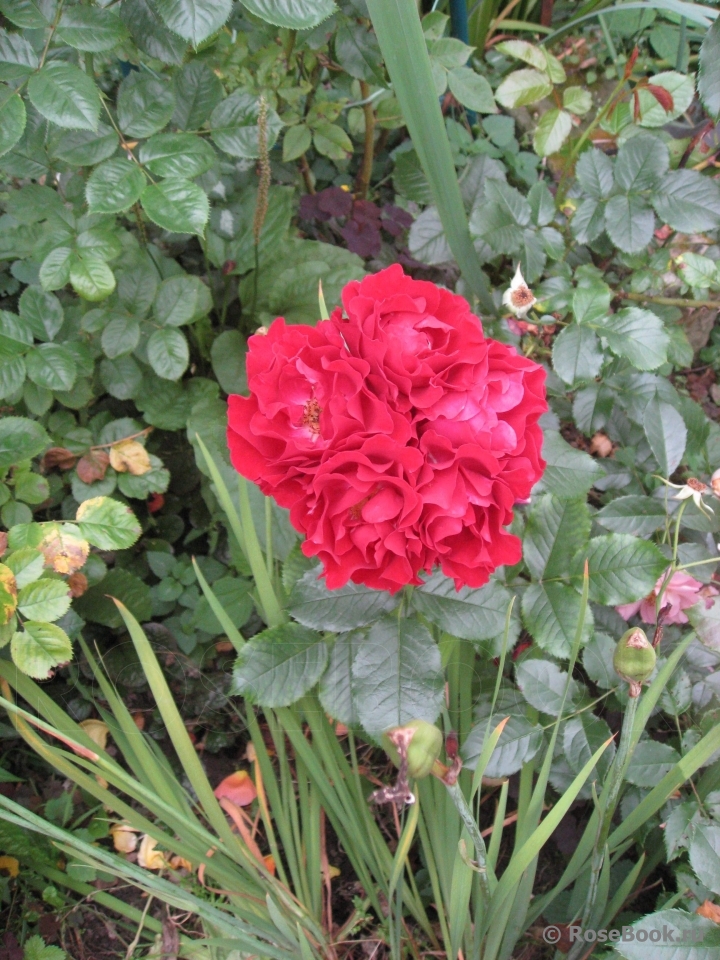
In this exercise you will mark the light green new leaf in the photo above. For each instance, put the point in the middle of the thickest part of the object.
(680, 87)
(176, 205)
(522, 88)
(44, 600)
(65, 95)
(107, 524)
(296, 141)
(331, 141)
(577, 100)
(90, 276)
(114, 186)
(192, 20)
(279, 665)
(471, 89)
(40, 647)
(552, 131)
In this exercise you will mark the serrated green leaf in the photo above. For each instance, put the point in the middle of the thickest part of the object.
(114, 186)
(92, 29)
(40, 647)
(228, 361)
(640, 516)
(331, 140)
(44, 600)
(27, 564)
(576, 354)
(197, 92)
(292, 14)
(90, 276)
(97, 606)
(51, 365)
(357, 51)
(594, 172)
(552, 131)
(31, 487)
(519, 742)
(144, 104)
(641, 163)
(296, 141)
(697, 937)
(569, 472)
(577, 100)
(351, 606)
(629, 222)
(30, 14)
(85, 148)
(12, 119)
(279, 665)
(543, 686)
(65, 95)
(523, 87)
(582, 737)
(192, 20)
(666, 433)
(397, 675)
(233, 594)
(688, 201)
(21, 439)
(555, 530)
(708, 83)
(637, 334)
(42, 312)
(680, 87)
(120, 336)
(149, 32)
(181, 300)
(337, 687)
(650, 762)
(233, 125)
(622, 568)
(471, 614)
(471, 89)
(551, 612)
(55, 268)
(176, 205)
(168, 353)
(177, 155)
(107, 524)
(17, 57)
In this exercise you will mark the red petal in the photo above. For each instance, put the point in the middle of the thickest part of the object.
(238, 788)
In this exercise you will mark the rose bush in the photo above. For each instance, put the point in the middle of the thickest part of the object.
(397, 434)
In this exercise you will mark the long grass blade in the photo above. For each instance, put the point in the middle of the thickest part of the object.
(399, 32)
(233, 634)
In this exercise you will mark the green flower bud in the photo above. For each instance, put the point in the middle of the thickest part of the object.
(634, 659)
(420, 741)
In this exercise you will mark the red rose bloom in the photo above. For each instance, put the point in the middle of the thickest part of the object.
(398, 435)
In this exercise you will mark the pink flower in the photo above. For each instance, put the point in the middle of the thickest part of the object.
(682, 591)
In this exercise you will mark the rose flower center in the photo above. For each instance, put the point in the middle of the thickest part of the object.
(311, 416)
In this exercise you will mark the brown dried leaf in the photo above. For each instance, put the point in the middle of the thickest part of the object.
(64, 552)
(8, 594)
(124, 837)
(3, 542)
(93, 466)
(601, 445)
(130, 457)
(78, 584)
(97, 731)
(59, 457)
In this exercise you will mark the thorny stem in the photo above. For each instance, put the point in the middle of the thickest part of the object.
(616, 777)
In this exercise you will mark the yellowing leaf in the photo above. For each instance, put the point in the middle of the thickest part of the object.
(148, 857)
(9, 866)
(97, 731)
(125, 839)
(8, 593)
(130, 457)
(64, 552)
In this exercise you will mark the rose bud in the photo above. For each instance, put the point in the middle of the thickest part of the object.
(634, 659)
(423, 742)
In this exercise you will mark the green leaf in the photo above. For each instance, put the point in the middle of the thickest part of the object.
(705, 854)
(337, 687)
(40, 647)
(293, 14)
(708, 83)
(591, 301)
(637, 334)
(554, 532)
(522, 88)
(233, 125)
(83, 148)
(641, 163)
(15, 337)
(543, 685)
(551, 612)
(688, 201)
(177, 155)
(552, 131)
(97, 606)
(234, 595)
(197, 92)
(17, 57)
(168, 353)
(629, 222)
(120, 336)
(144, 104)
(678, 85)
(622, 568)
(357, 51)
(296, 141)
(582, 737)
(228, 361)
(578, 101)
(650, 762)
(55, 268)
(594, 172)
(666, 433)
(91, 277)
(21, 439)
(65, 95)
(194, 21)
(640, 516)
(569, 473)
(27, 564)
(576, 354)
(107, 524)
(597, 659)
(44, 600)
(12, 119)
(519, 742)
(351, 606)
(588, 221)
(397, 675)
(114, 186)
(31, 487)
(176, 205)
(35, 949)
(180, 300)
(12, 376)
(51, 365)
(698, 937)
(41, 311)
(30, 14)
(122, 378)
(471, 614)
(149, 32)
(91, 28)
(279, 665)
(522, 50)
(471, 89)
(331, 141)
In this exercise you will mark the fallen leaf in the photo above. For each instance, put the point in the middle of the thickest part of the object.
(180, 863)
(64, 552)
(97, 731)
(78, 584)
(601, 445)
(238, 788)
(709, 910)
(9, 866)
(8, 593)
(148, 856)
(269, 862)
(139, 720)
(130, 457)
(125, 839)
(3, 542)
(59, 457)
(93, 466)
